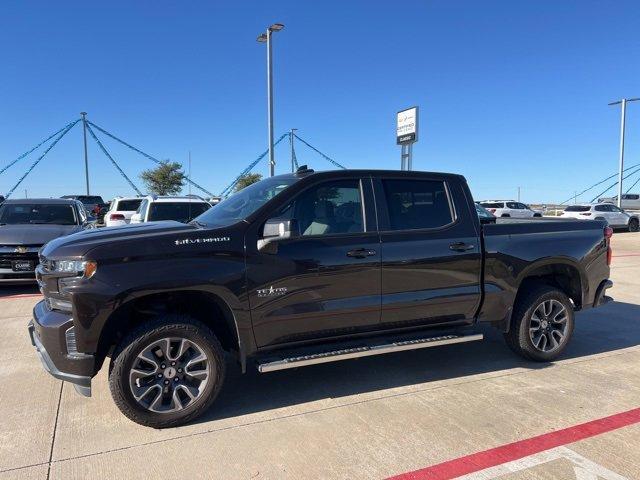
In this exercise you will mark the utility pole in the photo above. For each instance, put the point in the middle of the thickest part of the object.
(86, 156)
(266, 38)
(623, 102)
(293, 152)
(518, 193)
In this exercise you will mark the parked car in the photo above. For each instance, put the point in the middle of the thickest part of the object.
(510, 208)
(630, 201)
(612, 215)
(485, 215)
(121, 210)
(26, 225)
(182, 209)
(93, 204)
(301, 269)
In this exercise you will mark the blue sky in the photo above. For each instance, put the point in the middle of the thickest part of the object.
(511, 93)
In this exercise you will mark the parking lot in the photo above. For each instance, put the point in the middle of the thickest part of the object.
(433, 413)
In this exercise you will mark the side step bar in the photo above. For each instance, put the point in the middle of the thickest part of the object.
(364, 351)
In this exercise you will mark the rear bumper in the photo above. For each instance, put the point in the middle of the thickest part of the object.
(47, 332)
(601, 298)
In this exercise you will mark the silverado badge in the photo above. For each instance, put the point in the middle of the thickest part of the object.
(189, 241)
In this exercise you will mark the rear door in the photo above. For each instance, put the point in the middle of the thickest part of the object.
(431, 252)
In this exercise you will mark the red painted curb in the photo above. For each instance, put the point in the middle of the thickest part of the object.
(21, 295)
(523, 448)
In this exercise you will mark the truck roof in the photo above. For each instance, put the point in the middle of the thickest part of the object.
(51, 201)
(364, 172)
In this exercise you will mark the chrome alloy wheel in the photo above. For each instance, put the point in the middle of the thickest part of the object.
(549, 324)
(169, 375)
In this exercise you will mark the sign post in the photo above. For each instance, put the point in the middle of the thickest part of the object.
(407, 135)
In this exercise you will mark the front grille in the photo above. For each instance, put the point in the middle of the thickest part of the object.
(6, 259)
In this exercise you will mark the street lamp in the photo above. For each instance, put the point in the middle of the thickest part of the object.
(266, 38)
(622, 121)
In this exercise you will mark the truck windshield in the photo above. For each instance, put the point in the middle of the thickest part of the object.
(32, 213)
(243, 203)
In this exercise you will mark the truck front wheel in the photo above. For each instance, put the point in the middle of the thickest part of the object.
(542, 324)
(167, 372)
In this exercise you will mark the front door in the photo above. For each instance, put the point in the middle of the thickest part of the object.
(325, 282)
(431, 253)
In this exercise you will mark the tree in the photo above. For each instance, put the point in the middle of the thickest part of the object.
(165, 179)
(246, 180)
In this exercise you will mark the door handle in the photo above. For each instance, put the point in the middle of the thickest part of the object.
(461, 246)
(361, 253)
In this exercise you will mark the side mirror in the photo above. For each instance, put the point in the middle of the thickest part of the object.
(277, 229)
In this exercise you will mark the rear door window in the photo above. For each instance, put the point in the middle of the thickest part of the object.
(512, 205)
(578, 208)
(179, 211)
(417, 204)
(492, 204)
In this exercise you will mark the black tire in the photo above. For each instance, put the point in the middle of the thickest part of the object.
(537, 215)
(176, 327)
(505, 215)
(634, 225)
(519, 338)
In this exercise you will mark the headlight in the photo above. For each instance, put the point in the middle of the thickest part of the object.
(87, 268)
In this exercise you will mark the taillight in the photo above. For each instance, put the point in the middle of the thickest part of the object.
(492, 210)
(116, 216)
(608, 233)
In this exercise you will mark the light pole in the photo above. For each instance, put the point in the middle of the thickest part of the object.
(623, 102)
(86, 156)
(293, 152)
(262, 38)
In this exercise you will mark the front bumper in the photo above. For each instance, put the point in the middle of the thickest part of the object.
(47, 332)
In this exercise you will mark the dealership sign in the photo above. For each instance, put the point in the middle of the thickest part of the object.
(407, 126)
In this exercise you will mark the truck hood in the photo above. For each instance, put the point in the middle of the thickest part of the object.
(141, 239)
(33, 234)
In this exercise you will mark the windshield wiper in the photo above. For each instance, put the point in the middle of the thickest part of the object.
(198, 223)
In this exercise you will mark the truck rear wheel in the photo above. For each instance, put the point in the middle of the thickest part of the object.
(167, 372)
(542, 324)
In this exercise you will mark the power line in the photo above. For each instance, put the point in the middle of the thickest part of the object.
(70, 124)
(599, 183)
(614, 184)
(104, 150)
(153, 159)
(229, 187)
(321, 154)
(33, 165)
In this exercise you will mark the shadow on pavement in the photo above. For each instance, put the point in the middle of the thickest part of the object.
(19, 289)
(612, 327)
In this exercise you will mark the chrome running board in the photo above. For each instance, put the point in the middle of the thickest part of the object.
(364, 351)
